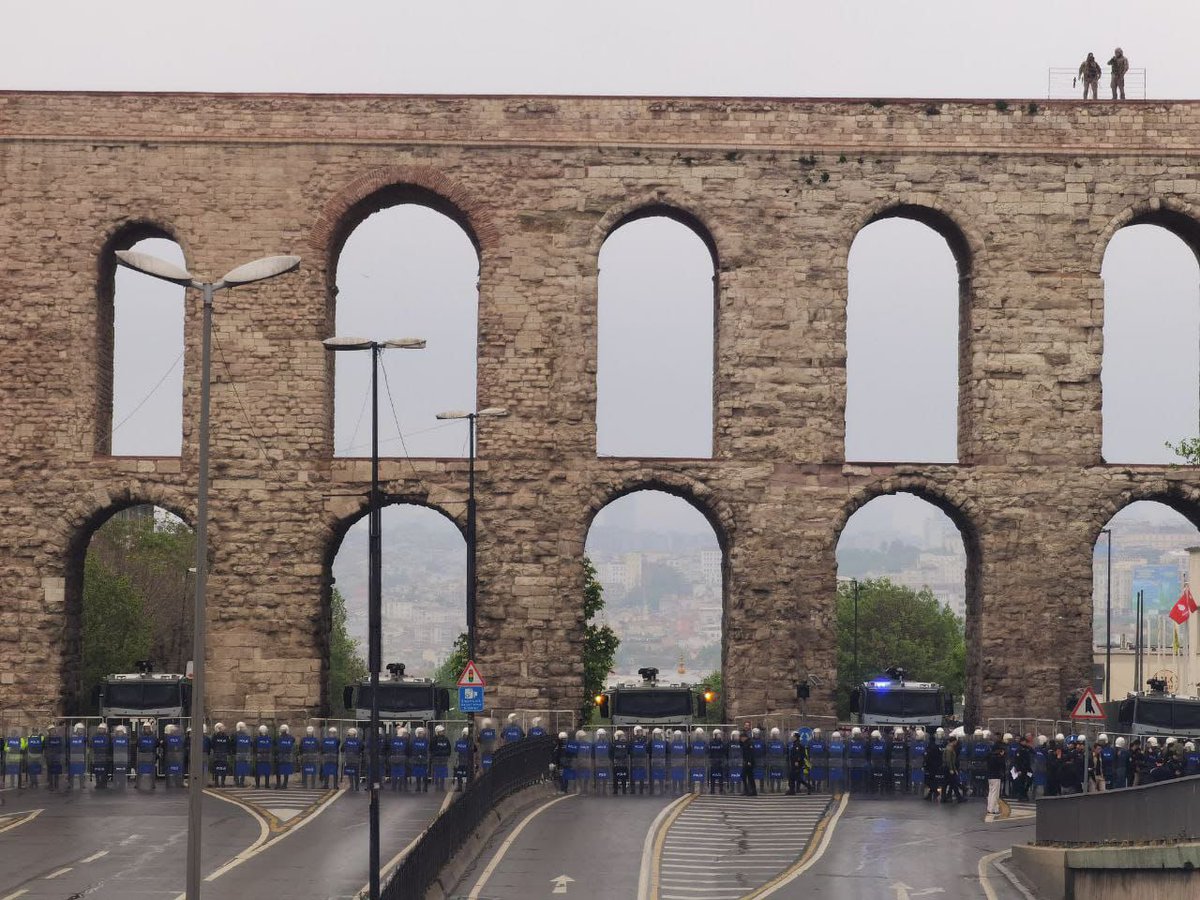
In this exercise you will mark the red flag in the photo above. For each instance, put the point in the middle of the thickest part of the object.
(1184, 606)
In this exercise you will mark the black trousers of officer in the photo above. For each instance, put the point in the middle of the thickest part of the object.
(749, 787)
(953, 786)
(796, 778)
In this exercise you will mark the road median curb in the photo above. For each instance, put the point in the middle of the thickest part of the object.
(443, 887)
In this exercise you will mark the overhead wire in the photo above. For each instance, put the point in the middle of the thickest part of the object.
(146, 399)
(262, 447)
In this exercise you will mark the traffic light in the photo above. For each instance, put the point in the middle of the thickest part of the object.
(601, 701)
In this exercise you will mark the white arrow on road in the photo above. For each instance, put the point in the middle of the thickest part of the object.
(904, 891)
(560, 883)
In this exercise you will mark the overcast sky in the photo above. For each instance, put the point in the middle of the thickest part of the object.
(901, 320)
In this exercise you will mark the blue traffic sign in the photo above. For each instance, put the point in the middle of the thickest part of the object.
(805, 734)
(470, 699)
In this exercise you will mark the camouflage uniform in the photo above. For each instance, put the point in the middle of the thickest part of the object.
(1089, 72)
(1119, 65)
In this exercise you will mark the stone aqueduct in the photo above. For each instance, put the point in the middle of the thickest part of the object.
(1027, 198)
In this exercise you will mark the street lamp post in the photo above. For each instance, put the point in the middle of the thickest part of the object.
(857, 673)
(492, 412)
(258, 270)
(374, 580)
(1108, 620)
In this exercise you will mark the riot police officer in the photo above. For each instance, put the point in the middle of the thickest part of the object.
(877, 752)
(980, 746)
(658, 761)
(285, 756)
(697, 760)
(121, 747)
(174, 748)
(777, 763)
(35, 758)
(837, 762)
(352, 757)
(570, 752)
(583, 761)
(677, 752)
(1191, 759)
(331, 746)
(147, 757)
(856, 754)
(916, 761)
(717, 757)
(398, 757)
(487, 743)
(77, 755)
(101, 756)
(797, 765)
(264, 749)
(56, 755)
(897, 761)
(750, 763)
(536, 729)
(1107, 758)
(243, 755)
(602, 761)
(1121, 764)
(310, 758)
(439, 752)
(639, 760)
(620, 762)
(733, 762)
(758, 746)
(464, 760)
(512, 730)
(1041, 758)
(418, 759)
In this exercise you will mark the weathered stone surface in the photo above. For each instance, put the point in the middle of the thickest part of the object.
(1027, 202)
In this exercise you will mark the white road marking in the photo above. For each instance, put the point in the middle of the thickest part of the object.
(815, 858)
(62, 871)
(508, 842)
(21, 820)
(94, 856)
(390, 864)
(560, 883)
(1014, 881)
(648, 847)
(15, 894)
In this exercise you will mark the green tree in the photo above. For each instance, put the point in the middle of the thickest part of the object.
(346, 665)
(115, 630)
(600, 642)
(897, 626)
(714, 713)
(1189, 449)
(446, 674)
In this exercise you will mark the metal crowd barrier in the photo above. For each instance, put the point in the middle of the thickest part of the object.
(515, 766)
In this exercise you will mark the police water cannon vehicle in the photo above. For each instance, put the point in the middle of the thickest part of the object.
(400, 698)
(145, 694)
(1154, 713)
(888, 700)
(651, 704)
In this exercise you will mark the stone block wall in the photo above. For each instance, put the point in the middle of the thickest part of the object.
(1027, 197)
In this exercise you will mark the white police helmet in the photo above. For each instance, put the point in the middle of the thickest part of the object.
(619, 734)
(1007, 737)
(775, 732)
(562, 735)
(241, 726)
(439, 729)
(310, 730)
(262, 729)
(1121, 742)
(677, 734)
(353, 732)
(284, 729)
(466, 732)
(421, 731)
(1189, 746)
(332, 729)
(735, 735)
(1153, 742)
(219, 727)
(876, 734)
(102, 727)
(855, 731)
(1059, 737)
(1043, 740)
(1102, 739)
(512, 718)
(941, 732)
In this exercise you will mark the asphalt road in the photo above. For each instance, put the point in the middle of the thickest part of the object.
(596, 842)
(133, 845)
(900, 848)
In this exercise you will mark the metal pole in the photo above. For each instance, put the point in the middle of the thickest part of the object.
(196, 774)
(1137, 659)
(857, 673)
(374, 623)
(1108, 622)
(471, 595)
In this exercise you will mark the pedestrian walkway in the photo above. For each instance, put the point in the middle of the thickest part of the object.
(731, 844)
(1019, 809)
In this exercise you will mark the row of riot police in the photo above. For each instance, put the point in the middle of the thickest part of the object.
(108, 757)
(642, 762)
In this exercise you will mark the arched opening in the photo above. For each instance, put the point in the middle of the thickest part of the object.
(656, 338)
(130, 593)
(1141, 558)
(141, 349)
(661, 566)
(407, 268)
(906, 597)
(424, 612)
(1150, 375)
(908, 300)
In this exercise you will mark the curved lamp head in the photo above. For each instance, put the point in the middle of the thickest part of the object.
(261, 269)
(347, 343)
(154, 267)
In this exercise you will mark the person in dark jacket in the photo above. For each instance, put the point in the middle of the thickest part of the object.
(798, 765)
(951, 770)
(935, 780)
(748, 762)
(1023, 763)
